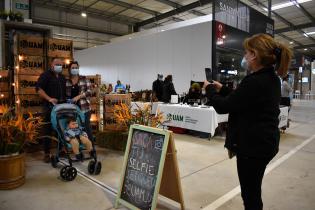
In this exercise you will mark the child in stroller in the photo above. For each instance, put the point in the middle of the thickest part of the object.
(66, 120)
(75, 135)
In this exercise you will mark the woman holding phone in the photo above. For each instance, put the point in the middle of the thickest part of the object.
(253, 107)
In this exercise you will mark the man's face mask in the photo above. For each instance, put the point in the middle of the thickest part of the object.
(57, 68)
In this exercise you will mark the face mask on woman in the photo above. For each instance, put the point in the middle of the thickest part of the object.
(75, 71)
(244, 63)
(57, 68)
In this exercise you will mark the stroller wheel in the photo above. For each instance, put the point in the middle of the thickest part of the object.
(71, 173)
(54, 161)
(98, 168)
(64, 172)
(91, 167)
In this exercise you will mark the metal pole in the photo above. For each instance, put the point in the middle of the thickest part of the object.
(269, 8)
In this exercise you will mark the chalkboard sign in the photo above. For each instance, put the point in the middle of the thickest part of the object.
(143, 167)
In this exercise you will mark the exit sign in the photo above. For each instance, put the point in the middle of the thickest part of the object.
(21, 6)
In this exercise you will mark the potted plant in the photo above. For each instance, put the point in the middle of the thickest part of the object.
(124, 116)
(3, 15)
(11, 16)
(19, 16)
(16, 131)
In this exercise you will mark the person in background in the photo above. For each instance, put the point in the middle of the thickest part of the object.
(109, 89)
(79, 90)
(168, 89)
(119, 88)
(157, 87)
(51, 86)
(286, 92)
(194, 94)
(253, 134)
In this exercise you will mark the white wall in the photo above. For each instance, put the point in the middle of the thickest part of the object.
(183, 52)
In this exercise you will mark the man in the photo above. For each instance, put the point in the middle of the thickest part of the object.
(120, 88)
(157, 87)
(168, 89)
(51, 86)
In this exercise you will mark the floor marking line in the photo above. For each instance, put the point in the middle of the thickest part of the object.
(234, 192)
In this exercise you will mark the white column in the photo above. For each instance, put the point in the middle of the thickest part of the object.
(8, 5)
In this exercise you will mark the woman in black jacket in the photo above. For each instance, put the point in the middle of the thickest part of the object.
(253, 134)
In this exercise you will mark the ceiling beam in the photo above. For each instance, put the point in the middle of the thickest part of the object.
(176, 5)
(281, 19)
(91, 12)
(306, 13)
(173, 12)
(131, 6)
(135, 7)
(295, 27)
(304, 46)
(74, 26)
(90, 5)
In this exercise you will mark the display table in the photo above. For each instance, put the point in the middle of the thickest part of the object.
(201, 119)
(192, 118)
(136, 104)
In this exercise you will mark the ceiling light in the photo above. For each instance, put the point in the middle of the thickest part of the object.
(223, 36)
(305, 49)
(305, 34)
(162, 30)
(310, 33)
(83, 14)
(291, 42)
(287, 4)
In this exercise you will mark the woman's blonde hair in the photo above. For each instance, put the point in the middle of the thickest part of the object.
(269, 52)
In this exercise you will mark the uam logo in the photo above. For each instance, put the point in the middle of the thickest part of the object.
(60, 47)
(175, 117)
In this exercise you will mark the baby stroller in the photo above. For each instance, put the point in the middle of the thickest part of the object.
(59, 115)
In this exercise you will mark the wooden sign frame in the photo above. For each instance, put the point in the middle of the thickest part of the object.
(166, 179)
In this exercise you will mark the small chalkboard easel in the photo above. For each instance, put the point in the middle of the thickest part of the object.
(150, 168)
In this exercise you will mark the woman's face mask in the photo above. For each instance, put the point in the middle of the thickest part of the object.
(57, 68)
(248, 57)
(75, 71)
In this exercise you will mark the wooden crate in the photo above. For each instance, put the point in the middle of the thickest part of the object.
(29, 104)
(4, 101)
(60, 48)
(4, 81)
(4, 86)
(25, 84)
(114, 99)
(29, 65)
(28, 45)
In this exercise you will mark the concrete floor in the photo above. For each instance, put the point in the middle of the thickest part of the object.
(206, 175)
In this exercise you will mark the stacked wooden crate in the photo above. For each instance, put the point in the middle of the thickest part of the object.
(96, 118)
(4, 89)
(29, 64)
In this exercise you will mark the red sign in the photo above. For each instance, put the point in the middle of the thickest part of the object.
(220, 33)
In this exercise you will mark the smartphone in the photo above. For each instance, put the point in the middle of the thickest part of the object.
(208, 72)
